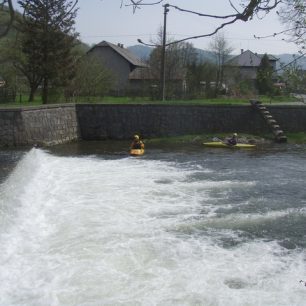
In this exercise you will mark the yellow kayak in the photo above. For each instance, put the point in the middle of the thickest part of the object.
(220, 144)
(136, 152)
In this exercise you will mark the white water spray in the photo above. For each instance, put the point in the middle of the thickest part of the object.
(93, 231)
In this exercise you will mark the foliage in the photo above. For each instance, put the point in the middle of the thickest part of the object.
(199, 78)
(296, 137)
(264, 76)
(246, 88)
(295, 78)
(47, 41)
(91, 80)
(7, 15)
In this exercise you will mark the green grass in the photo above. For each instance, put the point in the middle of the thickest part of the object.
(21, 101)
(298, 138)
(200, 138)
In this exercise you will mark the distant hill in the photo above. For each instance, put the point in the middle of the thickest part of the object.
(288, 58)
(143, 52)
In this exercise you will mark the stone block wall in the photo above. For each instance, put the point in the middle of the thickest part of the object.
(10, 124)
(121, 121)
(44, 125)
(55, 124)
(290, 117)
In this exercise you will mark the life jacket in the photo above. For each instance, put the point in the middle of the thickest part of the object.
(137, 145)
(232, 141)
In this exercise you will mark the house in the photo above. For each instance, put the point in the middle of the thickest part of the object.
(246, 64)
(119, 61)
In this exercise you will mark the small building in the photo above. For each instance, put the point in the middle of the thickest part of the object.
(119, 61)
(246, 64)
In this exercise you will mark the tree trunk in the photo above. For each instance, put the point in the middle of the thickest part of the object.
(33, 88)
(45, 91)
(31, 95)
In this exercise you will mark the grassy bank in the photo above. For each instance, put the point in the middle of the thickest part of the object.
(21, 101)
(298, 138)
(200, 138)
(293, 138)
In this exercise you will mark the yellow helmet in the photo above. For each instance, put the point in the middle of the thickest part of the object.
(136, 137)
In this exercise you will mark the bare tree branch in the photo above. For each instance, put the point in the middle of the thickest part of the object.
(249, 9)
(295, 60)
(137, 4)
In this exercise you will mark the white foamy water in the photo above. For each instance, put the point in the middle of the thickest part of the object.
(93, 231)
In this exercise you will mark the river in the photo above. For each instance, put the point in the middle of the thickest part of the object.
(86, 224)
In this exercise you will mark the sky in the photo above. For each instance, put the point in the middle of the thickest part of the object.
(99, 20)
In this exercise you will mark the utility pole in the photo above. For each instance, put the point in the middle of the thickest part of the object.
(163, 55)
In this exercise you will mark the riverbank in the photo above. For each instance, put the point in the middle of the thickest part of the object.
(292, 138)
(224, 100)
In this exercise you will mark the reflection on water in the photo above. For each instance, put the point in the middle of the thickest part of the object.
(86, 224)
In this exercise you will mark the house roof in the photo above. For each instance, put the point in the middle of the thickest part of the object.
(249, 59)
(125, 53)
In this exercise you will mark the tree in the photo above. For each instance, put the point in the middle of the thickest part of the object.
(292, 13)
(177, 57)
(91, 79)
(245, 11)
(264, 76)
(221, 50)
(47, 40)
(295, 78)
(294, 16)
(199, 79)
(7, 15)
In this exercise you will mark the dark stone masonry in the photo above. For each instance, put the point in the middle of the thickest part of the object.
(55, 124)
(45, 125)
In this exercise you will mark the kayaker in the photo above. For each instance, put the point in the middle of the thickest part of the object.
(137, 143)
(233, 140)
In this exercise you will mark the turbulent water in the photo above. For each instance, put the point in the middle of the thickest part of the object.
(197, 227)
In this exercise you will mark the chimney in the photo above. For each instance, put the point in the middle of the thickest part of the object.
(241, 51)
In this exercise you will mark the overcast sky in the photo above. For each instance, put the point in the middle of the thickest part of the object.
(99, 20)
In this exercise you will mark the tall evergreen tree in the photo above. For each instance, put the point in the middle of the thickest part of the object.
(48, 37)
(264, 76)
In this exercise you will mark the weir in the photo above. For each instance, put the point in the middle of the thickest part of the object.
(188, 229)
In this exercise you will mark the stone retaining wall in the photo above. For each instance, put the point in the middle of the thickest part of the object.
(48, 125)
(44, 125)
(120, 122)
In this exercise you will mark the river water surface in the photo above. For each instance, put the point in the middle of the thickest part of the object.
(85, 224)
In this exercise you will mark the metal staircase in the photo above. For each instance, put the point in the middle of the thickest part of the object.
(274, 126)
